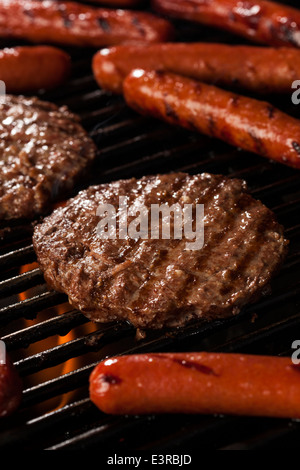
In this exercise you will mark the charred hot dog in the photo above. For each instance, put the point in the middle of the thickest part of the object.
(197, 383)
(259, 69)
(72, 23)
(253, 125)
(258, 20)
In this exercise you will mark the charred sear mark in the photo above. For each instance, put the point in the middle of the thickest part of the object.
(211, 125)
(265, 224)
(271, 111)
(234, 100)
(161, 73)
(137, 24)
(196, 366)
(231, 17)
(296, 147)
(258, 143)
(111, 379)
(67, 21)
(104, 25)
(29, 13)
(170, 112)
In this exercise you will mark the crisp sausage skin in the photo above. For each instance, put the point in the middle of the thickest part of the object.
(206, 383)
(250, 124)
(258, 69)
(76, 24)
(31, 68)
(10, 389)
(261, 21)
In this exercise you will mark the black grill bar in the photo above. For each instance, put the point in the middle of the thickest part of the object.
(17, 258)
(260, 338)
(71, 349)
(21, 282)
(160, 158)
(11, 233)
(56, 387)
(287, 432)
(93, 436)
(119, 129)
(61, 325)
(30, 307)
(37, 427)
(87, 439)
(71, 319)
(163, 341)
(72, 379)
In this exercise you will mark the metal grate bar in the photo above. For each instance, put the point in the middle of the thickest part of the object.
(19, 283)
(18, 257)
(30, 307)
(35, 428)
(59, 354)
(61, 325)
(97, 434)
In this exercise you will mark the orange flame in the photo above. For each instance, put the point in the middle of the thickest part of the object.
(48, 343)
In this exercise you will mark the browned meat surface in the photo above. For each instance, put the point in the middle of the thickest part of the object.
(157, 283)
(43, 150)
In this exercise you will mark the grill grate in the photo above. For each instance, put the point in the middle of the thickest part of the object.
(130, 145)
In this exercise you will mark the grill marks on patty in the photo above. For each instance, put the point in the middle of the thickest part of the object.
(43, 151)
(158, 283)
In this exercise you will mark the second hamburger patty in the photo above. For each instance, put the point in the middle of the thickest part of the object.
(43, 150)
(158, 282)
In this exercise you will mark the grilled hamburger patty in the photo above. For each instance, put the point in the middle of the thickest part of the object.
(157, 283)
(43, 150)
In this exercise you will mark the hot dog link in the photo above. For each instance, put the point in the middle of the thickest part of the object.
(76, 24)
(26, 68)
(253, 125)
(197, 383)
(259, 69)
(258, 20)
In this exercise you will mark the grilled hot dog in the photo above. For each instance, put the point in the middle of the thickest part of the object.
(259, 69)
(26, 68)
(258, 20)
(197, 383)
(76, 24)
(253, 125)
